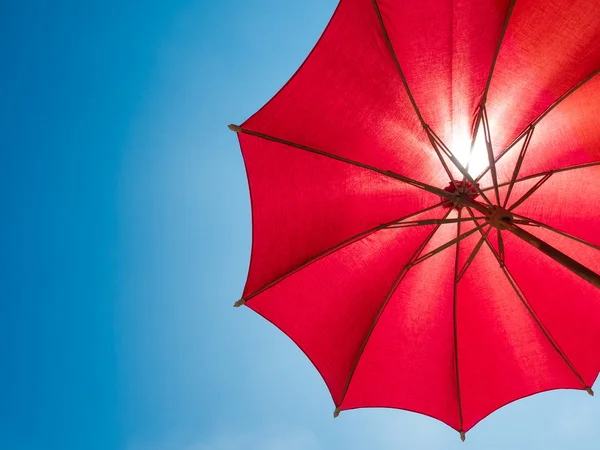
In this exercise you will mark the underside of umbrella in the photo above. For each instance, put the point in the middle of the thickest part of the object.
(425, 204)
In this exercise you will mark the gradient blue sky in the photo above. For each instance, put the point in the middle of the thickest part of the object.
(125, 239)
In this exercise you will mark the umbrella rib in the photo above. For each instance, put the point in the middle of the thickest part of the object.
(541, 326)
(455, 329)
(474, 132)
(411, 98)
(490, 151)
(444, 165)
(382, 307)
(329, 251)
(487, 240)
(387, 173)
(415, 223)
(473, 253)
(488, 83)
(501, 246)
(447, 244)
(515, 174)
(537, 120)
(535, 175)
(397, 63)
(530, 192)
(511, 7)
(535, 223)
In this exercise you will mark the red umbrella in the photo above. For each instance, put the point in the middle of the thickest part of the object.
(426, 204)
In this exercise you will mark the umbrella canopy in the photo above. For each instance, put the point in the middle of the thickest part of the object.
(426, 204)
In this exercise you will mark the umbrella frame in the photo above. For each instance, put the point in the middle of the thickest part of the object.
(496, 216)
(502, 219)
(462, 199)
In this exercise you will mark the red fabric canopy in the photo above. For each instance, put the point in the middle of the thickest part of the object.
(342, 166)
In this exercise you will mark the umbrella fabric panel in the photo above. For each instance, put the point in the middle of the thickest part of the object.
(503, 353)
(304, 204)
(348, 99)
(568, 201)
(445, 49)
(568, 136)
(549, 47)
(408, 361)
(327, 307)
(567, 305)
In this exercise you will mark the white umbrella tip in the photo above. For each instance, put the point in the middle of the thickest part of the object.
(239, 303)
(235, 128)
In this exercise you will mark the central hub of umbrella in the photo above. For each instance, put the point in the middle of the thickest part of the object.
(498, 217)
(460, 188)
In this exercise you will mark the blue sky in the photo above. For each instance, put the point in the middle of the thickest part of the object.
(125, 239)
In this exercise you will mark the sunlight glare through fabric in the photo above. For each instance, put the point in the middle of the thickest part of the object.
(461, 146)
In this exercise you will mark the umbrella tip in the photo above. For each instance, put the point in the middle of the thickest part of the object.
(336, 412)
(239, 303)
(235, 128)
(589, 391)
(463, 436)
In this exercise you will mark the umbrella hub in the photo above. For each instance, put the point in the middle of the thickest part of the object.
(498, 216)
